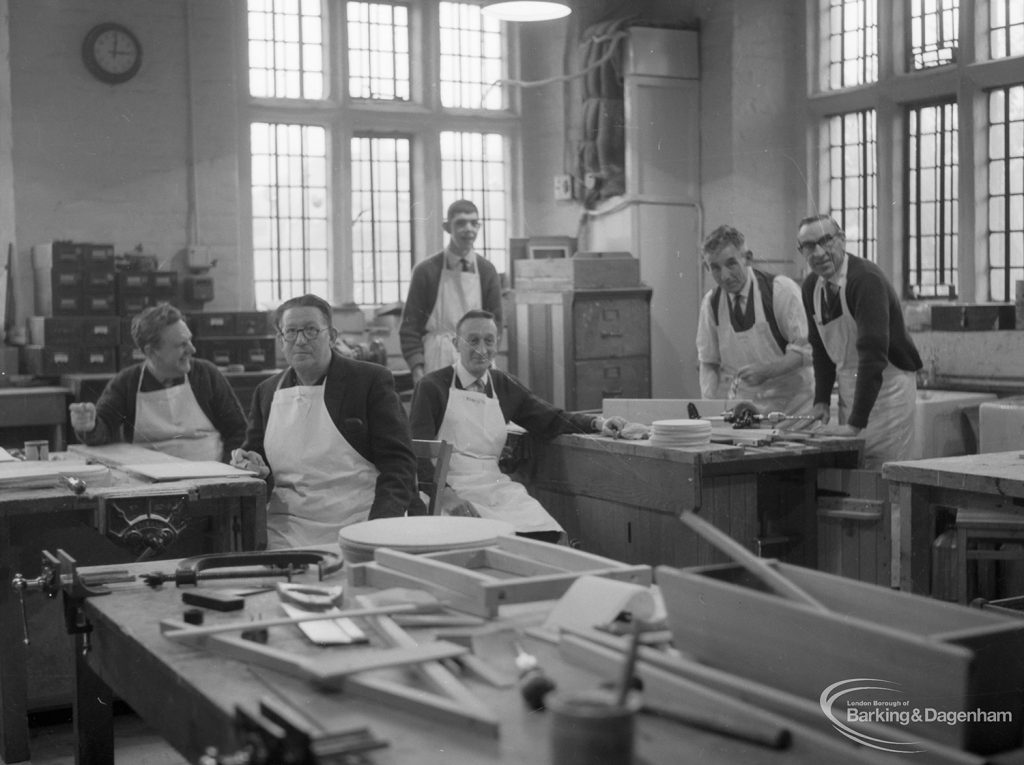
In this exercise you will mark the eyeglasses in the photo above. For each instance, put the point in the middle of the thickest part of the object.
(809, 248)
(310, 333)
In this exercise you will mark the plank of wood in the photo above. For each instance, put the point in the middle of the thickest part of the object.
(563, 557)
(174, 629)
(373, 574)
(759, 567)
(116, 455)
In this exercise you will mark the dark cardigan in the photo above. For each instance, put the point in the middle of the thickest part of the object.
(361, 400)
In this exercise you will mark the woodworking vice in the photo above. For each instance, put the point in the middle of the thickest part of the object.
(277, 735)
(149, 524)
(59, 574)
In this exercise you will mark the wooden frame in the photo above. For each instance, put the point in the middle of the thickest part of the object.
(478, 580)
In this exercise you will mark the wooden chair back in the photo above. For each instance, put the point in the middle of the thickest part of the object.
(439, 453)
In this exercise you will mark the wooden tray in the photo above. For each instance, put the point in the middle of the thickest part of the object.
(478, 580)
(939, 655)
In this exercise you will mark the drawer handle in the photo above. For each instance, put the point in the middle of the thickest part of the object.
(611, 393)
(611, 334)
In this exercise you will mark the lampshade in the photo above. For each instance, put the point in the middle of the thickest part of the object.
(525, 10)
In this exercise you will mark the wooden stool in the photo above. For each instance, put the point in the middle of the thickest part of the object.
(981, 525)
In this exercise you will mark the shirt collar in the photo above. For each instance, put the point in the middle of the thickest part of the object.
(451, 260)
(150, 382)
(466, 378)
(839, 278)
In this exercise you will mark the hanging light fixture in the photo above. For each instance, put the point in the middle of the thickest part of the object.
(525, 10)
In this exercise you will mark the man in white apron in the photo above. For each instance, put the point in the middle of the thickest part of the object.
(859, 341)
(330, 433)
(469, 404)
(442, 289)
(752, 333)
(172, 402)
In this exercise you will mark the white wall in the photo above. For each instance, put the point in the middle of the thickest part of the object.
(112, 163)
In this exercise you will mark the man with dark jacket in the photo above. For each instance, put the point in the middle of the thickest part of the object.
(172, 402)
(442, 289)
(330, 433)
(858, 340)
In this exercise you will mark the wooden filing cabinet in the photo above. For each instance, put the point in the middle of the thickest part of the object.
(577, 347)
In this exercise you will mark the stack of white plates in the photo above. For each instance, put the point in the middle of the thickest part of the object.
(680, 432)
(418, 534)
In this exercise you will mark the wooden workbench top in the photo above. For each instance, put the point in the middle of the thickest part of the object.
(991, 473)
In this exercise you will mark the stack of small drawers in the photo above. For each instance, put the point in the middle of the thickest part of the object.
(76, 329)
(80, 293)
(138, 290)
(234, 339)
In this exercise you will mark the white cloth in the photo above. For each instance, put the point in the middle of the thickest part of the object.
(170, 421)
(458, 292)
(321, 483)
(792, 393)
(889, 433)
(474, 425)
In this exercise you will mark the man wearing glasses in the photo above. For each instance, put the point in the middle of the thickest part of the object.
(468, 404)
(442, 289)
(329, 432)
(859, 341)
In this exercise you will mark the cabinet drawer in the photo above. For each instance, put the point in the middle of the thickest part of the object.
(610, 378)
(611, 327)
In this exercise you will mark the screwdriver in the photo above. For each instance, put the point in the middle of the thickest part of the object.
(534, 685)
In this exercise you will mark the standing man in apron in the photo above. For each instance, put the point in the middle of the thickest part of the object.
(468, 404)
(442, 289)
(172, 402)
(330, 434)
(859, 341)
(752, 333)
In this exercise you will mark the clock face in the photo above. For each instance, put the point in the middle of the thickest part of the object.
(112, 53)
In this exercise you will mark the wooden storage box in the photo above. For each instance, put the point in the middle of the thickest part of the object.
(973, 318)
(938, 656)
(584, 270)
(854, 537)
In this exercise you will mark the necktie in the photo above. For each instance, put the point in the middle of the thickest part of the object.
(477, 386)
(832, 305)
(464, 264)
(737, 311)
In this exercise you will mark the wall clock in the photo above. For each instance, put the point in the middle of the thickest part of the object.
(112, 53)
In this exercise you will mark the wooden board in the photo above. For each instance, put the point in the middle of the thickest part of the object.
(24, 475)
(941, 656)
(174, 471)
(116, 455)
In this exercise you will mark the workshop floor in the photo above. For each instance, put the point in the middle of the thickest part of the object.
(53, 742)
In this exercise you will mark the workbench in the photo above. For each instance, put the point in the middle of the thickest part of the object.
(916, 488)
(622, 499)
(198, 693)
(34, 407)
(222, 513)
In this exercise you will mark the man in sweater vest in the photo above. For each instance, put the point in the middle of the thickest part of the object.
(443, 287)
(752, 333)
(859, 341)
